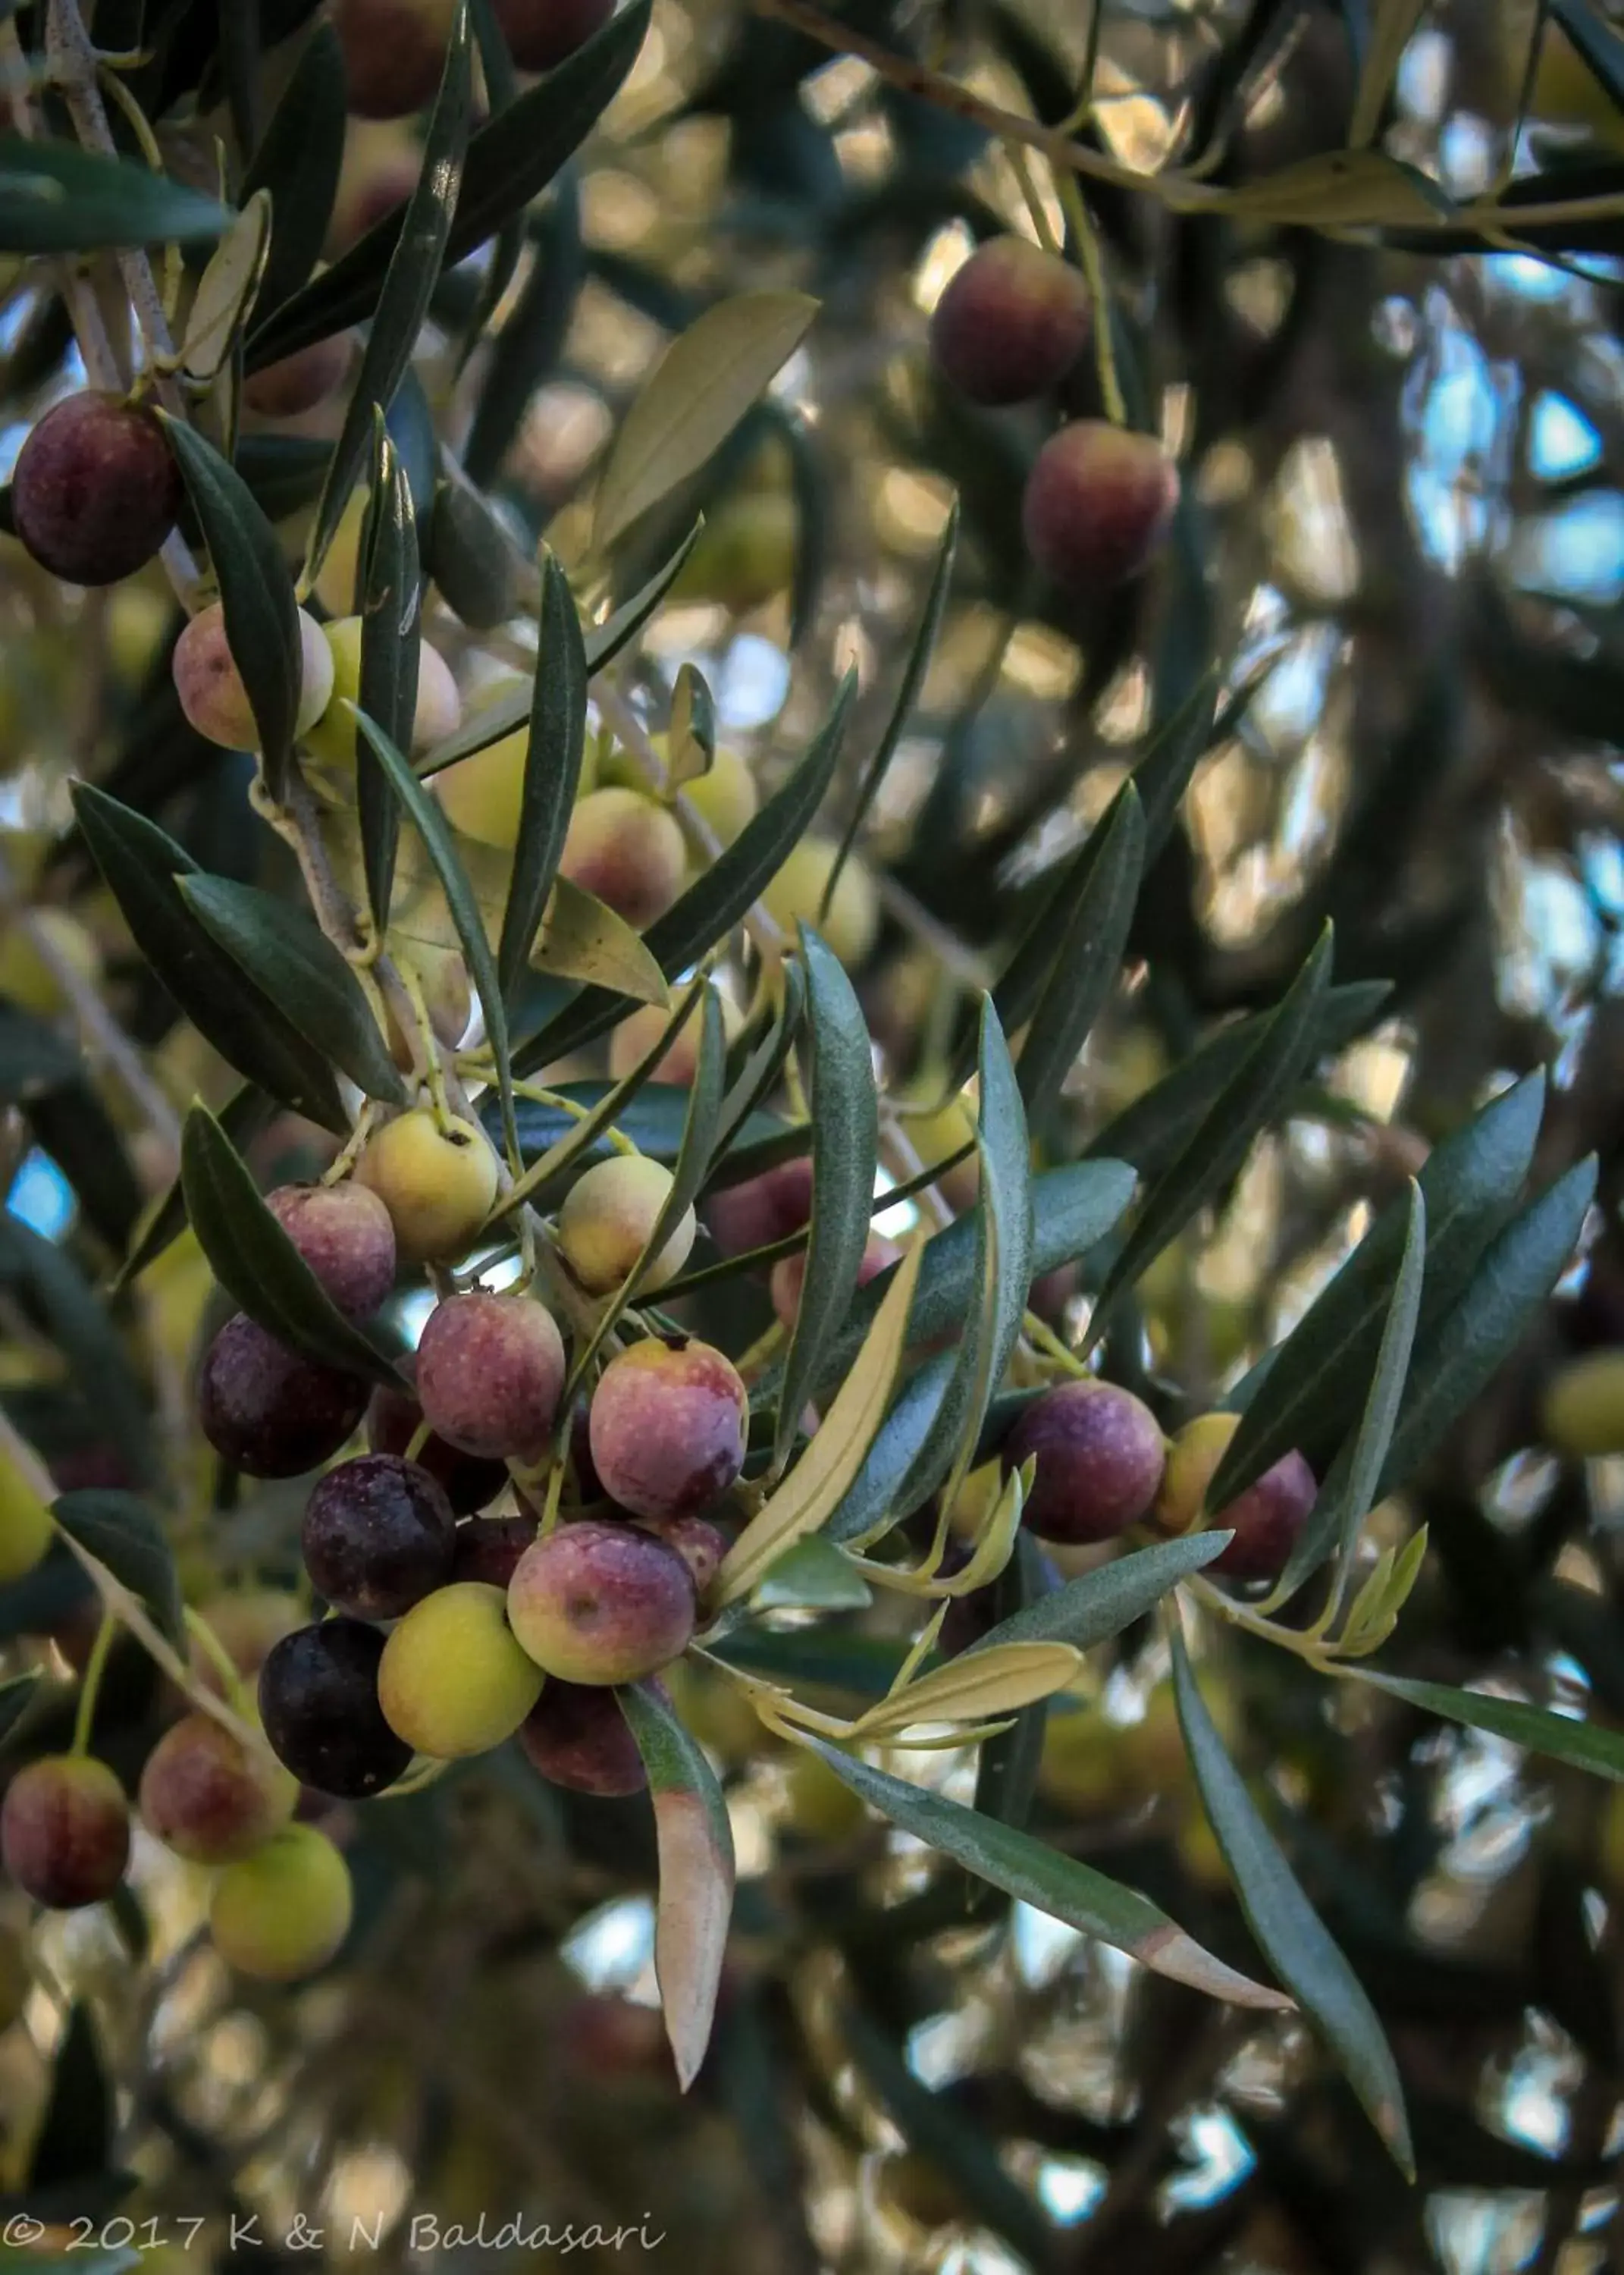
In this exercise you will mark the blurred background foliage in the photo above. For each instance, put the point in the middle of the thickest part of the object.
(1402, 546)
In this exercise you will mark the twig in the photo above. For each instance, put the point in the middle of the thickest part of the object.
(71, 60)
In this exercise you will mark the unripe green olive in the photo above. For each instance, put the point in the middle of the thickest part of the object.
(608, 1216)
(1582, 1411)
(281, 1913)
(438, 1185)
(453, 1680)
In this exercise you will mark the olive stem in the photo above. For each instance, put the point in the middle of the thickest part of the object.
(90, 1684)
(219, 1658)
(1099, 292)
(71, 62)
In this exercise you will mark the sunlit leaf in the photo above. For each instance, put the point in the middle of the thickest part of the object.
(696, 1873)
(817, 1483)
(690, 403)
(976, 1686)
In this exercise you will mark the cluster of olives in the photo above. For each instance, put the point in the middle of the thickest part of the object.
(495, 1626)
(1010, 324)
(1101, 1465)
(280, 1902)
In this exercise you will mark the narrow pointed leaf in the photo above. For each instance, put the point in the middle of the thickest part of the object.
(552, 771)
(256, 1263)
(435, 831)
(524, 353)
(1033, 1874)
(141, 864)
(601, 643)
(1098, 1604)
(1346, 1500)
(583, 938)
(976, 1686)
(509, 161)
(1462, 1357)
(408, 285)
(1163, 773)
(288, 956)
(1153, 1130)
(57, 198)
(813, 1575)
(1288, 1930)
(907, 695)
(845, 1141)
(241, 1117)
(1559, 1736)
(695, 1844)
(1395, 22)
(1006, 1771)
(1072, 1209)
(391, 598)
(760, 1073)
(819, 1480)
(1089, 953)
(1225, 1136)
(1003, 1270)
(226, 292)
(256, 593)
(1308, 1396)
(697, 394)
(299, 162)
(616, 634)
(877, 1498)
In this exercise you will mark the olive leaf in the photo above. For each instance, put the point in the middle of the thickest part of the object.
(695, 1842)
(408, 285)
(57, 198)
(299, 162)
(226, 292)
(391, 597)
(818, 1481)
(552, 773)
(1288, 1928)
(291, 961)
(975, 1687)
(583, 938)
(256, 1263)
(123, 1532)
(509, 161)
(256, 595)
(142, 867)
(1306, 1393)
(1221, 1141)
(1023, 1868)
(697, 394)
(845, 1140)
